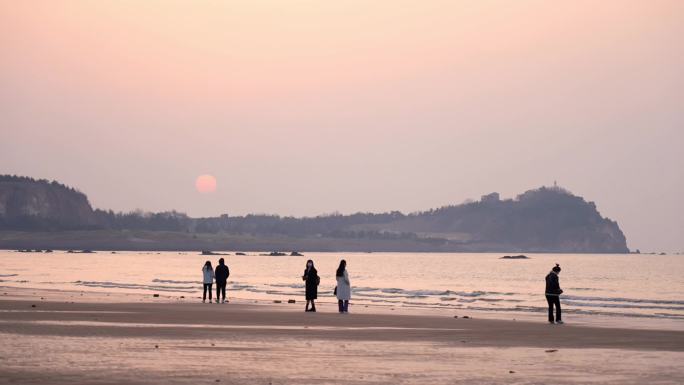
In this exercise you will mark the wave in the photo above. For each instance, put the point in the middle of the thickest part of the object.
(366, 293)
(498, 301)
(441, 294)
(176, 282)
(170, 283)
(121, 285)
(621, 305)
(536, 309)
(8, 275)
(627, 300)
(290, 285)
(237, 286)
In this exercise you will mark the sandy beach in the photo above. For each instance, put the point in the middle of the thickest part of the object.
(488, 190)
(67, 338)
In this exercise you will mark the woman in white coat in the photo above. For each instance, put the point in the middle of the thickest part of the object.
(343, 290)
(207, 280)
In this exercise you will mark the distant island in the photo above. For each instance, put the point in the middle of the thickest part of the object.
(41, 214)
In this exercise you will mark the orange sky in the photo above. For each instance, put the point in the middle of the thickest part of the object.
(353, 105)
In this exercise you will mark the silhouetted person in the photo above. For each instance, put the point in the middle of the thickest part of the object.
(312, 280)
(222, 274)
(553, 292)
(343, 289)
(207, 280)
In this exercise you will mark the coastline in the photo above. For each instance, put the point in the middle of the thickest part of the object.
(159, 340)
(481, 285)
(325, 305)
(116, 314)
(36, 296)
(182, 241)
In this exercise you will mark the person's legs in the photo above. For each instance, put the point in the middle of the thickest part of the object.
(558, 309)
(550, 301)
(209, 289)
(313, 305)
(204, 295)
(340, 305)
(346, 306)
(218, 291)
(223, 291)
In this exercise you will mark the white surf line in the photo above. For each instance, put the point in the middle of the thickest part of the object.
(210, 326)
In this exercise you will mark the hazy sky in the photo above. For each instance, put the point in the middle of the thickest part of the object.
(309, 107)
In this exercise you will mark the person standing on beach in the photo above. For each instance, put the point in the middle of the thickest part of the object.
(222, 274)
(553, 292)
(343, 289)
(312, 280)
(208, 280)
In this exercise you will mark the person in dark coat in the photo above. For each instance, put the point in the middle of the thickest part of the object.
(312, 280)
(553, 292)
(222, 273)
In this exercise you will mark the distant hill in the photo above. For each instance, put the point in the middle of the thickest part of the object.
(540, 220)
(30, 204)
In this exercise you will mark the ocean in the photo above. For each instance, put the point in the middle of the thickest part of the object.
(611, 285)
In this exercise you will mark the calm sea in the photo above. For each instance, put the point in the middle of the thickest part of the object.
(639, 286)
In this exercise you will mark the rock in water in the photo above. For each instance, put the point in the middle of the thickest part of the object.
(515, 257)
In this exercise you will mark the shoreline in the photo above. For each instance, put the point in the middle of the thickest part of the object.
(265, 251)
(127, 339)
(175, 241)
(197, 320)
(328, 304)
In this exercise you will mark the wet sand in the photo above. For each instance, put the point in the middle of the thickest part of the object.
(160, 341)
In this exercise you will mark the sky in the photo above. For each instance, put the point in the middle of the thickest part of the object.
(313, 107)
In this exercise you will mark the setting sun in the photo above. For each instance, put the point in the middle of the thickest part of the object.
(205, 184)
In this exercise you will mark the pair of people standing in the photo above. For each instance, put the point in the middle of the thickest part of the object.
(342, 290)
(221, 275)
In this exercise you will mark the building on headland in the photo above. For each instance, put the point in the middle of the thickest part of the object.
(490, 198)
